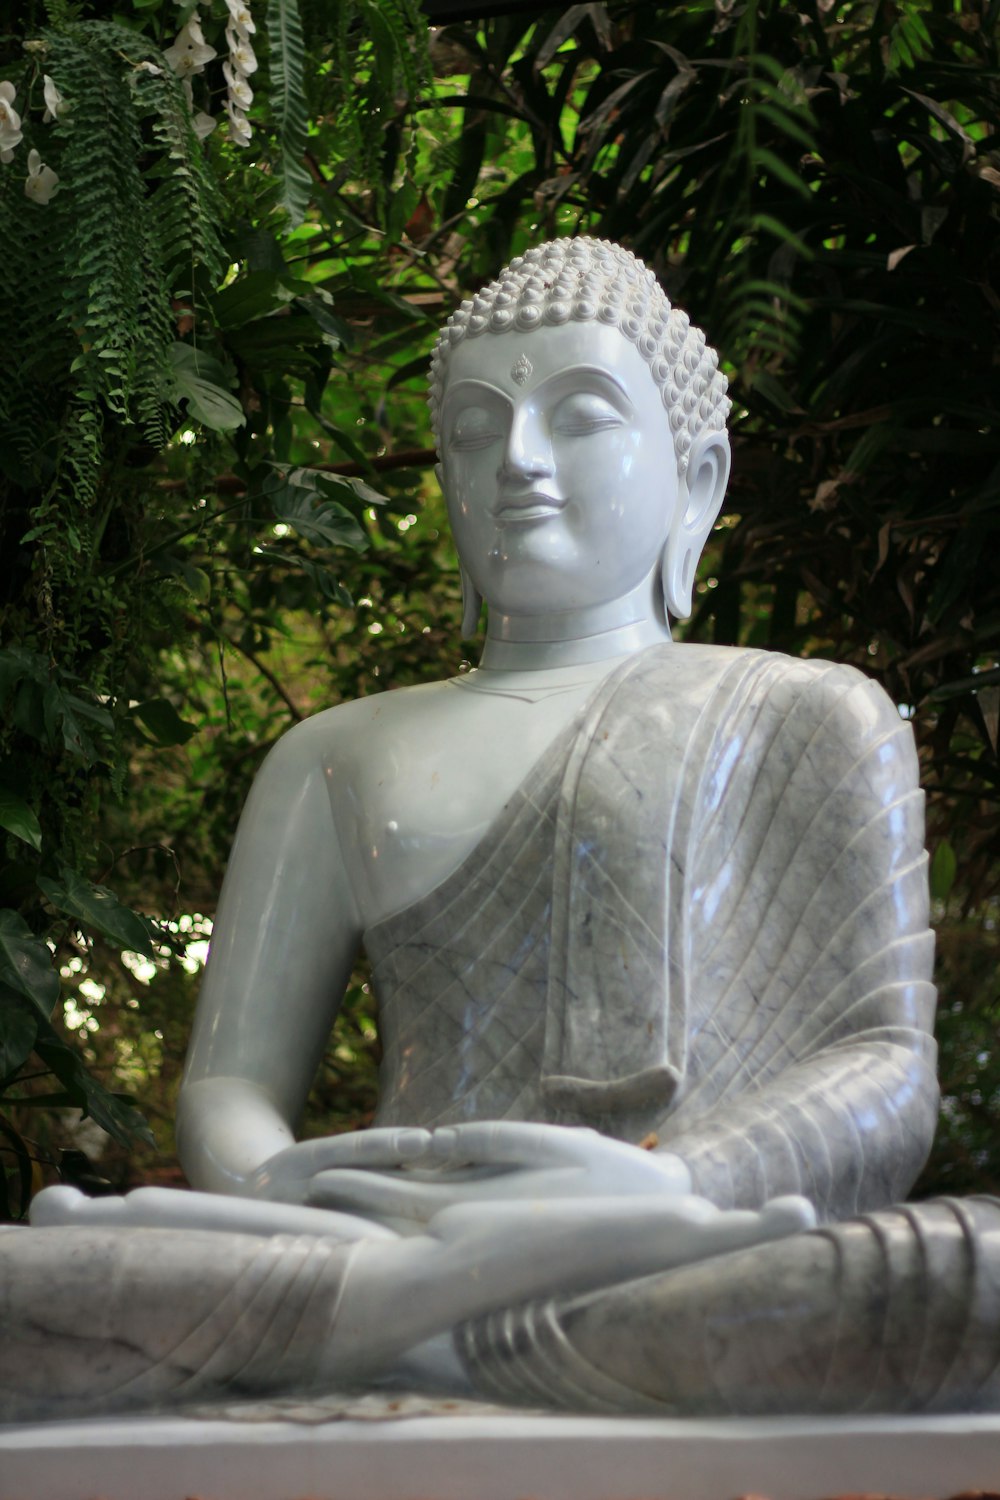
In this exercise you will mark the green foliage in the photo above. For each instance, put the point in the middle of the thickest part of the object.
(163, 339)
(374, 61)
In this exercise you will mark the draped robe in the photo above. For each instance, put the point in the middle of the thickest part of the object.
(703, 915)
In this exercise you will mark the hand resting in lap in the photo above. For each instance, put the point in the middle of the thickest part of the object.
(405, 1177)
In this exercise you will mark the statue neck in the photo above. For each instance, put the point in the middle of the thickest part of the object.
(567, 638)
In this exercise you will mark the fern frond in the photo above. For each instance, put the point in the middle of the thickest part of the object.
(288, 102)
(106, 289)
(103, 188)
(187, 206)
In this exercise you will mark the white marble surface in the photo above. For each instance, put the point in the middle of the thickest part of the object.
(460, 1455)
(132, 1318)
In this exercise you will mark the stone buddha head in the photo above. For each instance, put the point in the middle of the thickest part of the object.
(580, 421)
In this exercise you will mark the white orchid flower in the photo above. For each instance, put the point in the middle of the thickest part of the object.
(203, 124)
(243, 21)
(10, 121)
(41, 182)
(194, 31)
(189, 52)
(240, 129)
(241, 54)
(150, 68)
(240, 91)
(55, 105)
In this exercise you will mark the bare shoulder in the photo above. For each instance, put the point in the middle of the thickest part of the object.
(338, 736)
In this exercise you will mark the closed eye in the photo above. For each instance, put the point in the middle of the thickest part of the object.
(468, 442)
(583, 413)
(474, 428)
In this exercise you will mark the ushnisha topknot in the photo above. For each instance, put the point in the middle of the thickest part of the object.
(588, 280)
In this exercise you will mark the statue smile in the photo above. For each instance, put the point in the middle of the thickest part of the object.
(536, 505)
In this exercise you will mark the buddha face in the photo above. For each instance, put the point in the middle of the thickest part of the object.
(558, 467)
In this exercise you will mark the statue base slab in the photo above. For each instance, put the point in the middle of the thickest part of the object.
(388, 1447)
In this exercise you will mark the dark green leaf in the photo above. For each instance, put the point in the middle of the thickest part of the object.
(560, 33)
(944, 867)
(253, 295)
(348, 487)
(787, 124)
(26, 963)
(323, 522)
(767, 161)
(368, 283)
(19, 819)
(18, 1029)
(163, 722)
(412, 370)
(201, 381)
(447, 152)
(95, 906)
(23, 1160)
(768, 386)
(114, 1113)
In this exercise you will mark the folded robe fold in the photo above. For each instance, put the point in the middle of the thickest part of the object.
(97, 1320)
(895, 1311)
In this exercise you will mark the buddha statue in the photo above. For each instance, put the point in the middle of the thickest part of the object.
(648, 924)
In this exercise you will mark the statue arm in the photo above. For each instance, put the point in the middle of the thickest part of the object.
(849, 1130)
(283, 944)
(816, 1062)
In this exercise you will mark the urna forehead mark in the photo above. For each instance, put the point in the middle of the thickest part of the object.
(521, 369)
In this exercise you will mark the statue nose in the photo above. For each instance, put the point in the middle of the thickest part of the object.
(528, 451)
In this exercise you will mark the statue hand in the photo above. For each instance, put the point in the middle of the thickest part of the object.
(290, 1175)
(489, 1161)
(171, 1208)
(594, 1240)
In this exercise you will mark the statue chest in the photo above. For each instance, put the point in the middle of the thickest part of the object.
(412, 800)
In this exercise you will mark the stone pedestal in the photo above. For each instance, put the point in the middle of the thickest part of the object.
(405, 1448)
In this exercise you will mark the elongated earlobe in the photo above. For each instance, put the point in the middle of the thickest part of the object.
(677, 579)
(700, 494)
(472, 605)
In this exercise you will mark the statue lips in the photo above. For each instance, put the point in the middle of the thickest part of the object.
(535, 505)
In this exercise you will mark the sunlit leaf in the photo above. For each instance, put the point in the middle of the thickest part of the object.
(944, 867)
(323, 522)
